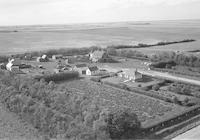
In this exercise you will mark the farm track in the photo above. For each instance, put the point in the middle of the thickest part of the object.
(170, 77)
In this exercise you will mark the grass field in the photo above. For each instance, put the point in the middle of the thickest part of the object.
(29, 38)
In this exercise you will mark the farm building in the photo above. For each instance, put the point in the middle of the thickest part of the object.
(131, 74)
(28, 57)
(2, 66)
(98, 55)
(39, 59)
(13, 62)
(44, 58)
(81, 68)
(62, 62)
(55, 57)
(92, 70)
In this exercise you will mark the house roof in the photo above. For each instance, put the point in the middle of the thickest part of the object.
(98, 54)
(131, 72)
(15, 62)
(81, 65)
(93, 68)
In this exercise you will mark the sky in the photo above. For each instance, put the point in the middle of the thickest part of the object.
(31, 12)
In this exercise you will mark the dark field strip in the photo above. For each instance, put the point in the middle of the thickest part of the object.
(151, 45)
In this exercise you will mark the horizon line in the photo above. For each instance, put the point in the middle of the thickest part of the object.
(102, 22)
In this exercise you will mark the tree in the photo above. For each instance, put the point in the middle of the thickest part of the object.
(121, 122)
(156, 87)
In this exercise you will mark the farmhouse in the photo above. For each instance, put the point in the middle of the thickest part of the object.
(98, 55)
(13, 64)
(81, 68)
(57, 56)
(132, 75)
(92, 70)
(44, 58)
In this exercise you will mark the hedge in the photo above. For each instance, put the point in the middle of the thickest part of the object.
(58, 76)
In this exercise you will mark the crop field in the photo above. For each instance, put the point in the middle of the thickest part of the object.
(149, 110)
(32, 38)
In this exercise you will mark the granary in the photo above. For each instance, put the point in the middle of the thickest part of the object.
(12, 63)
(92, 70)
(59, 56)
(81, 68)
(98, 55)
(131, 74)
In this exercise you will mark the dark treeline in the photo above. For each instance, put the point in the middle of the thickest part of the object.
(3, 59)
(141, 45)
(177, 58)
(127, 53)
(59, 76)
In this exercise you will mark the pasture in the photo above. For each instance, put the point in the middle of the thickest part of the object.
(34, 38)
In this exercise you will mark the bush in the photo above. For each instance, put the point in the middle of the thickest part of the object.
(121, 122)
(156, 87)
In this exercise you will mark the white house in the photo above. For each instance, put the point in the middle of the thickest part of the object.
(131, 74)
(92, 70)
(81, 68)
(13, 63)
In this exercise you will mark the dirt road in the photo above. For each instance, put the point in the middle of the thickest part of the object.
(170, 77)
(12, 128)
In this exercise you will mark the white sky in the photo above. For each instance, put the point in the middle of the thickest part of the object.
(23, 12)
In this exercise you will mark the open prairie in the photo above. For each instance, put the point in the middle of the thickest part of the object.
(31, 38)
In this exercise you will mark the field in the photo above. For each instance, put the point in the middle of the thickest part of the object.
(32, 38)
(148, 109)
